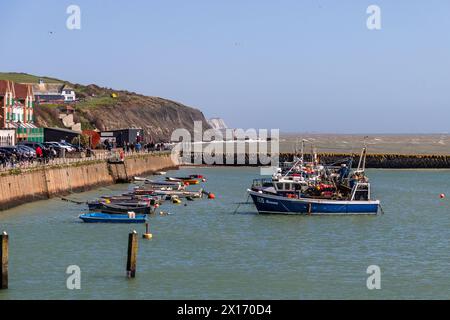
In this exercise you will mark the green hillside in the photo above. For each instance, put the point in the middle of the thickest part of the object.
(24, 77)
(105, 109)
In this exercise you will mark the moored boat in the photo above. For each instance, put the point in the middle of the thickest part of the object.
(320, 190)
(113, 218)
(185, 180)
(117, 209)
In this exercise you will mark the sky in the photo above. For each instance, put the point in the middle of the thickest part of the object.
(297, 66)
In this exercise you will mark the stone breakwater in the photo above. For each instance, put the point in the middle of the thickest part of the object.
(19, 187)
(383, 161)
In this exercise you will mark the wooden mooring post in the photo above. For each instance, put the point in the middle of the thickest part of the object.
(132, 254)
(4, 260)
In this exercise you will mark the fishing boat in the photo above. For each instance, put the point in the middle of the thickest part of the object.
(359, 203)
(331, 191)
(113, 218)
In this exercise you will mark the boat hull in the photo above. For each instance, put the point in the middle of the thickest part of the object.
(107, 218)
(274, 204)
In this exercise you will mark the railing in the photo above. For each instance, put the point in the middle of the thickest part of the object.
(48, 162)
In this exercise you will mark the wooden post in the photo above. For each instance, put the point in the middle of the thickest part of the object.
(4, 261)
(147, 235)
(132, 254)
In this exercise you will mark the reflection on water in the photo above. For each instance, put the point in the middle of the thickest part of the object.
(205, 251)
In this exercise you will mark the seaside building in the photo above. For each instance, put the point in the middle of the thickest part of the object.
(53, 93)
(17, 110)
(59, 134)
(121, 136)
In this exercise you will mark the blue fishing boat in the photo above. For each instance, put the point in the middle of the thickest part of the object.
(322, 190)
(113, 218)
(273, 203)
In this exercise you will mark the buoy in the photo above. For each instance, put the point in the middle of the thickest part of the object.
(147, 234)
(442, 196)
(211, 196)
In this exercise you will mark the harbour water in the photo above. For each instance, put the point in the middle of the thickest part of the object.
(206, 251)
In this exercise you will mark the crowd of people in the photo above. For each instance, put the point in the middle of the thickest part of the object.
(137, 146)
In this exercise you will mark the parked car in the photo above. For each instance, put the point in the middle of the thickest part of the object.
(32, 144)
(19, 153)
(63, 145)
(30, 152)
(54, 146)
(74, 147)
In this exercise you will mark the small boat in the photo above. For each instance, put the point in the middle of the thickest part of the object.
(98, 204)
(185, 180)
(117, 209)
(339, 191)
(113, 218)
(196, 176)
(160, 173)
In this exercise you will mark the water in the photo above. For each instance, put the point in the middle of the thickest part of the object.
(204, 251)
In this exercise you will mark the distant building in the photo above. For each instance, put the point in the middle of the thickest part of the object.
(68, 94)
(122, 136)
(59, 134)
(46, 93)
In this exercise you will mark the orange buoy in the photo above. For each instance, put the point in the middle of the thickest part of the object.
(211, 196)
(442, 196)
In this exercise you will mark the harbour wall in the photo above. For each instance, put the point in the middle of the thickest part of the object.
(22, 186)
(382, 161)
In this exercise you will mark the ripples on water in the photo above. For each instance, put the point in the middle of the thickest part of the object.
(204, 251)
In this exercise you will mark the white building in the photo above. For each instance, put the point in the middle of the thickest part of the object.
(68, 94)
(7, 137)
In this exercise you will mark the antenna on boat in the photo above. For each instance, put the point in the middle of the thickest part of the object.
(362, 158)
(302, 157)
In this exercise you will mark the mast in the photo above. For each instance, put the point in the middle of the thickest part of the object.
(362, 158)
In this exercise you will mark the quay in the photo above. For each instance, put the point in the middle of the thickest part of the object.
(23, 185)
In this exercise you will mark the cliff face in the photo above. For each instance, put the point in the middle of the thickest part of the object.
(217, 123)
(107, 109)
(158, 117)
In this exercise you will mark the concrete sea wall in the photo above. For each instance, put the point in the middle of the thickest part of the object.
(18, 187)
(385, 161)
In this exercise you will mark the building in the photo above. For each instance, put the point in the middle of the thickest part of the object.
(59, 135)
(17, 109)
(7, 137)
(16, 101)
(53, 93)
(122, 136)
(6, 101)
(68, 94)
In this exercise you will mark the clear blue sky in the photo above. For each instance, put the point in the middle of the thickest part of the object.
(300, 66)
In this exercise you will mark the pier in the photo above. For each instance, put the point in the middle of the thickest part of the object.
(20, 186)
(379, 161)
